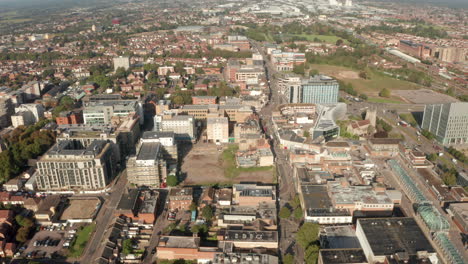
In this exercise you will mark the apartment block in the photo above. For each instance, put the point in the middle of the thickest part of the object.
(217, 129)
(183, 126)
(70, 166)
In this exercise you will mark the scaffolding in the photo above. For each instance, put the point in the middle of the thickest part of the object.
(451, 253)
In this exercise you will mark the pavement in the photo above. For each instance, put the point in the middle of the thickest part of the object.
(286, 190)
(104, 219)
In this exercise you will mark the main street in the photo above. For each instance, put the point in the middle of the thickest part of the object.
(104, 219)
(284, 170)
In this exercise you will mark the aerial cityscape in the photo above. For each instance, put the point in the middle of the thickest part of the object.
(234, 132)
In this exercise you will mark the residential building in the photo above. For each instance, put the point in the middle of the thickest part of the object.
(401, 236)
(204, 100)
(27, 114)
(6, 110)
(139, 205)
(69, 118)
(68, 165)
(180, 198)
(459, 212)
(181, 247)
(217, 129)
(285, 61)
(235, 112)
(121, 62)
(248, 239)
(252, 194)
(147, 168)
(168, 144)
(183, 126)
(247, 258)
(447, 122)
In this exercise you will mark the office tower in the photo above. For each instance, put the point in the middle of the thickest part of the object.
(447, 122)
(319, 89)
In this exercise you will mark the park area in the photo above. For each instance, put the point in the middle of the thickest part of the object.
(370, 86)
(209, 164)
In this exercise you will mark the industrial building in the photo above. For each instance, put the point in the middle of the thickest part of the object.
(394, 238)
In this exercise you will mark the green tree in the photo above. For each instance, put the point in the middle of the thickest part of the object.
(449, 178)
(307, 234)
(207, 212)
(199, 229)
(431, 157)
(299, 69)
(178, 100)
(385, 93)
(298, 214)
(311, 254)
(22, 234)
(127, 246)
(120, 73)
(171, 180)
(288, 259)
(193, 206)
(285, 212)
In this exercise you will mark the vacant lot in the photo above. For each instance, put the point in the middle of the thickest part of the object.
(208, 164)
(372, 86)
(424, 96)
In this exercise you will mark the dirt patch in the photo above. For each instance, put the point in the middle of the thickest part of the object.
(257, 176)
(350, 75)
(203, 165)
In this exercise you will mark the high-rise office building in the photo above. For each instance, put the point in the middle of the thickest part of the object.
(68, 165)
(447, 122)
(319, 89)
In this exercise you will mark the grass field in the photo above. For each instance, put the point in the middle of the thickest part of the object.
(327, 39)
(372, 86)
(82, 237)
(12, 18)
(383, 100)
(231, 171)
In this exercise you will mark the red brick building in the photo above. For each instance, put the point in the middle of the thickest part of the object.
(203, 100)
(69, 118)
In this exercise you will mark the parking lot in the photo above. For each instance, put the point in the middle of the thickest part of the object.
(44, 244)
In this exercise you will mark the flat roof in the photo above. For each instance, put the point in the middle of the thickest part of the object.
(340, 237)
(179, 241)
(247, 235)
(128, 200)
(149, 151)
(387, 236)
(335, 256)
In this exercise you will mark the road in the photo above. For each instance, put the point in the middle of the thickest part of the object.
(158, 227)
(286, 192)
(104, 219)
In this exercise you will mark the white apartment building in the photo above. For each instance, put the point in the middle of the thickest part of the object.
(218, 129)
